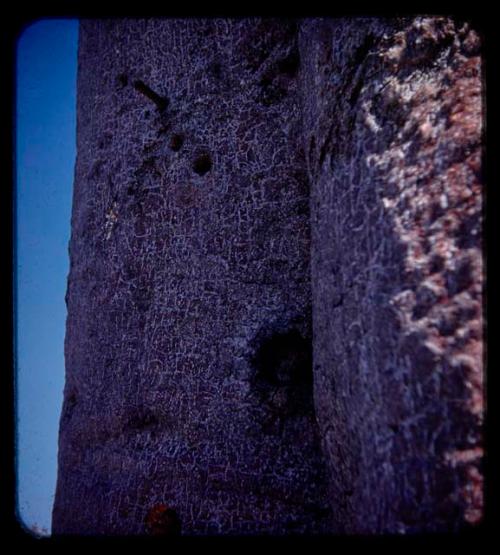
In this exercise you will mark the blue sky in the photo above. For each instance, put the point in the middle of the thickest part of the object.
(45, 157)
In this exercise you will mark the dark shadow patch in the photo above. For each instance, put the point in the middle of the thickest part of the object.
(362, 51)
(312, 149)
(289, 65)
(122, 80)
(70, 404)
(435, 212)
(142, 419)
(148, 174)
(105, 140)
(162, 521)
(459, 279)
(389, 110)
(326, 146)
(468, 233)
(284, 358)
(282, 376)
(355, 92)
(423, 49)
(270, 91)
(267, 35)
(425, 299)
(163, 129)
(176, 142)
(142, 298)
(96, 171)
(215, 70)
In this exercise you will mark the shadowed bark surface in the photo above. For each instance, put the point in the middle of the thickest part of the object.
(392, 125)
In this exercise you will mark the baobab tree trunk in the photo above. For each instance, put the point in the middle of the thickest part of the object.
(274, 301)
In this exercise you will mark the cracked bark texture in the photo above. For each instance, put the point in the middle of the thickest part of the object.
(275, 225)
(392, 127)
(189, 270)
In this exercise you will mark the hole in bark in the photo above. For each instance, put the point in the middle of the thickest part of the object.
(176, 142)
(394, 428)
(202, 164)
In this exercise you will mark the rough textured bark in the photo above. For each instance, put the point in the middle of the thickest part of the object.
(392, 125)
(189, 379)
(235, 177)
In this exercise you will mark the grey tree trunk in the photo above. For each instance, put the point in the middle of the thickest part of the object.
(392, 124)
(274, 301)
